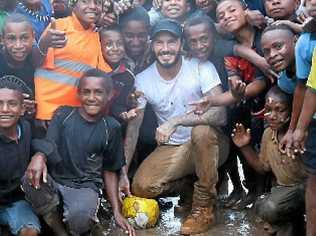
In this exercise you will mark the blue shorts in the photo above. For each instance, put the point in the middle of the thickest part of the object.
(19, 215)
(309, 157)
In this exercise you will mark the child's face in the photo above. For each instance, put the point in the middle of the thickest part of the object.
(18, 40)
(174, 9)
(93, 96)
(311, 7)
(206, 5)
(281, 9)
(200, 41)
(60, 6)
(135, 36)
(112, 47)
(278, 48)
(11, 107)
(88, 11)
(277, 113)
(231, 16)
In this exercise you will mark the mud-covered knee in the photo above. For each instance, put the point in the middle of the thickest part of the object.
(79, 221)
(43, 199)
(203, 133)
(141, 189)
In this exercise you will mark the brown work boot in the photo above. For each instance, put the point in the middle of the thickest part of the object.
(199, 221)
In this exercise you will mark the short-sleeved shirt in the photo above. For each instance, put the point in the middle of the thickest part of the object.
(25, 73)
(56, 81)
(287, 84)
(171, 98)
(85, 149)
(289, 173)
(14, 160)
(303, 54)
(39, 19)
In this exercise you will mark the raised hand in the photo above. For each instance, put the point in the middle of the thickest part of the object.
(122, 6)
(52, 38)
(241, 136)
(237, 88)
(131, 114)
(29, 104)
(200, 106)
(255, 18)
(157, 4)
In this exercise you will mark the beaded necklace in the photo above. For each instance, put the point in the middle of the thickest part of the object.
(35, 14)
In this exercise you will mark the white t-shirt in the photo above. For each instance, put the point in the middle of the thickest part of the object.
(170, 98)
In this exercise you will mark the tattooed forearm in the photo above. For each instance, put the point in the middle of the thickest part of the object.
(131, 138)
(215, 116)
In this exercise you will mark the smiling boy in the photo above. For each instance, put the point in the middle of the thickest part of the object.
(278, 44)
(81, 164)
(16, 59)
(15, 144)
(77, 50)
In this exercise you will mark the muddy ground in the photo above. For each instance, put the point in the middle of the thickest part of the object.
(228, 223)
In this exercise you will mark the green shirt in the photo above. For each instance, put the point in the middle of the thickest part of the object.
(3, 16)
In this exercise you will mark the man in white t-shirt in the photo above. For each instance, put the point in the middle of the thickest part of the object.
(189, 144)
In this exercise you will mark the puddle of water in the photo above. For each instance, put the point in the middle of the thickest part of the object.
(228, 223)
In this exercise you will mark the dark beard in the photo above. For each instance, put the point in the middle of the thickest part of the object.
(169, 65)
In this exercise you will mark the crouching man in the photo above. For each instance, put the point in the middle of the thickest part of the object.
(86, 148)
(188, 143)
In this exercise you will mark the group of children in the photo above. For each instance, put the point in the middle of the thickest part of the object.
(68, 70)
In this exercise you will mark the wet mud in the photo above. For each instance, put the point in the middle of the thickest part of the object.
(228, 223)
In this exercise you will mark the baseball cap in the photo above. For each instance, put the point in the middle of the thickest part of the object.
(167, 25)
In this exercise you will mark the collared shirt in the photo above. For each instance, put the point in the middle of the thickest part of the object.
(287, 171)
(57, 80)
(14, 159)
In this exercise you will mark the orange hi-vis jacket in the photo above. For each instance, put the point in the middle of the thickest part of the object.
(56, 81)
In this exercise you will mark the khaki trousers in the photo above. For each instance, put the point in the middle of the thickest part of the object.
(163, 171)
